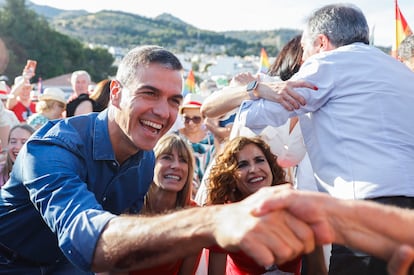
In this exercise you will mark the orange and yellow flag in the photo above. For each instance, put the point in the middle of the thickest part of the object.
(189, 85)
(402, 30)
(264, 62)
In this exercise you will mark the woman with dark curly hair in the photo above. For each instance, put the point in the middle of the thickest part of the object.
(245, 165)
(234, 177)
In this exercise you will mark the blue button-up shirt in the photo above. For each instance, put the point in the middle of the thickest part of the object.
(65, 186)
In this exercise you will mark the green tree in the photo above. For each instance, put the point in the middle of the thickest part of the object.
(29, 36)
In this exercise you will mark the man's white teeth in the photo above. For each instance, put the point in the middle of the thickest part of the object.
(152, 124)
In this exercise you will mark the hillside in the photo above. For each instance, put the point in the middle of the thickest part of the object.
(126, 30)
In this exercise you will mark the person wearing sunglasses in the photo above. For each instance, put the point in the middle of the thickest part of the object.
(198, 135)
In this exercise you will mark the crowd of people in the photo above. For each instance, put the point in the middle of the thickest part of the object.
(258, 177)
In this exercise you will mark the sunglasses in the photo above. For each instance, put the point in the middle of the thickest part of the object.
(195, 119)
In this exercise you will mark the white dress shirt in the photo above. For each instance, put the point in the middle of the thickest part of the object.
(358, 126)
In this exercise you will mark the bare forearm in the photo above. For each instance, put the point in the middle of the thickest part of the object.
(11, 102)
(364, 225)
(140, 242)
(223, 101)
(371, 227)
(143, 242)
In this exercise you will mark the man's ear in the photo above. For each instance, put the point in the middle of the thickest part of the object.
(115, 92)
(324, 43)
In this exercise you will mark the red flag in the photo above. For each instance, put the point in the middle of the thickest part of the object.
(402, 30)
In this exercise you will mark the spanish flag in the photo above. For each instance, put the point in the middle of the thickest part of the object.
(264, 62)
(402, 30)
(189, 85)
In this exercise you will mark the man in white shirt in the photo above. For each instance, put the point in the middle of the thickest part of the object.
(356, 126)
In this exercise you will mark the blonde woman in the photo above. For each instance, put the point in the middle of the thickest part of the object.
(18, 136)
(169, 191)
(50, 106)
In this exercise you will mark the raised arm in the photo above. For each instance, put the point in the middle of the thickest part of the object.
(16, 90)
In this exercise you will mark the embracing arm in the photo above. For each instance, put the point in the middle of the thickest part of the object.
(231, 97)
(223, 101)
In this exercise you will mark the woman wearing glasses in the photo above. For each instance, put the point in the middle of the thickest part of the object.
(197, 134)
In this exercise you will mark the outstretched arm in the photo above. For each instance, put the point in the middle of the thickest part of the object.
(142, 242)
(365, 225)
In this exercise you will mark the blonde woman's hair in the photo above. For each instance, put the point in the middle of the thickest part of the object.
(166, 145)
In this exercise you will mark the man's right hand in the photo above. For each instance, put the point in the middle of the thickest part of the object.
(272, 238)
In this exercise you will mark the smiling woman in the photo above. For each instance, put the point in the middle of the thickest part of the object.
(18, 136)
(245, 165)
(170, 191)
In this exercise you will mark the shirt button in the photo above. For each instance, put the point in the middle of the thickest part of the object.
(114, 164)
(69, 251)
(104, 199)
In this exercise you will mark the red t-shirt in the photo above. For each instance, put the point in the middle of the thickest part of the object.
(239, 263)
(22, 112)
(171, 269)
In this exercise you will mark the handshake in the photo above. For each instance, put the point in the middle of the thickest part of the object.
(286, 223)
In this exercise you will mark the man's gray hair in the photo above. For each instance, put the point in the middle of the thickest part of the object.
(75, 75)
(343, 24)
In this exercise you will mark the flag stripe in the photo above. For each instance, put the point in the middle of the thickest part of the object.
(264, 62)
(402, 29)
(189, 85)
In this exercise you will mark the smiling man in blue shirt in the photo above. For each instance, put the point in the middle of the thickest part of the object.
(60, 210)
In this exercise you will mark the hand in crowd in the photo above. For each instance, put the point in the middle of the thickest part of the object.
(28, 73)
(274, 237)
(284, 93)
(242, 78)
(307, 208)
(402, 261)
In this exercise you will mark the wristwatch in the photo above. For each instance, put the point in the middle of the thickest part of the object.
(251, 86)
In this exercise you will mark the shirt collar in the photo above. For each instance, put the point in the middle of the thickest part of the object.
(102, 146)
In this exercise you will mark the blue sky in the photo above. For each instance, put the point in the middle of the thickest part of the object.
(224, 15)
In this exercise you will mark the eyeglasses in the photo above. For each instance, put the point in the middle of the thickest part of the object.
(194, 119)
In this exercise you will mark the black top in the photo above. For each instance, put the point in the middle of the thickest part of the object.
(74, 103)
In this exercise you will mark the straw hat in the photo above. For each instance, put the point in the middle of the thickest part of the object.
(192, 101)
(53, 94)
